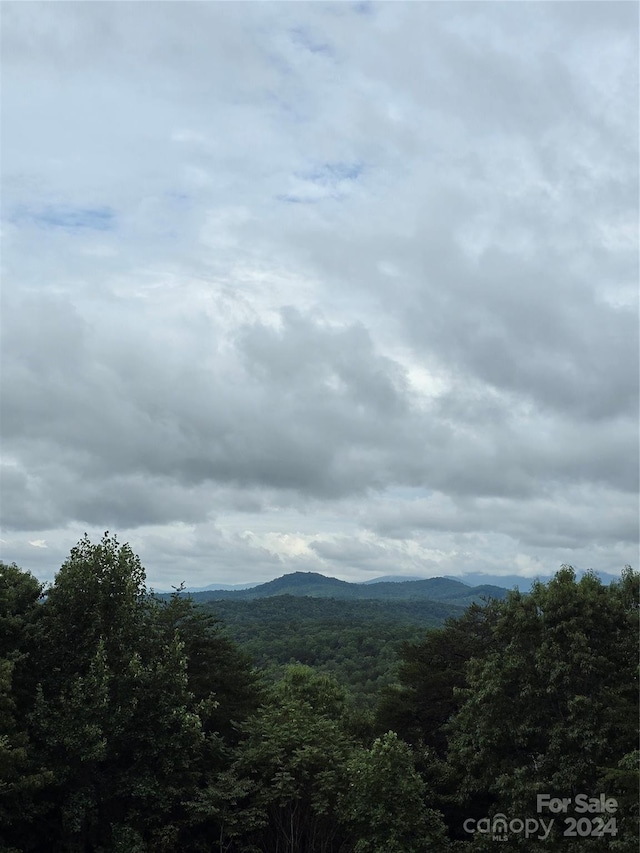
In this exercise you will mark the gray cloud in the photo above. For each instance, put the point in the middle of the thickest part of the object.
(322, 286)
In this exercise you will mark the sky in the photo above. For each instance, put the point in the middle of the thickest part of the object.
(339, 287)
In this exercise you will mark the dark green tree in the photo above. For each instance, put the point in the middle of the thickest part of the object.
(225, 692)
(385, 806)
(553, 706)
(113, 718)
(216, 667)
(431, 673)
(421, 707)
(21, 772)
(293, 764)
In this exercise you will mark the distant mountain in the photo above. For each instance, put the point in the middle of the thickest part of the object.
(446, 590)
(215, 586)
(295, 583)
(393, 579)
(507, 581)
(317, 585)
(517, 581)
(227, 586)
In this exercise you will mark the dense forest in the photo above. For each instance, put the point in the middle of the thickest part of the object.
(358, 643)
(131, 722)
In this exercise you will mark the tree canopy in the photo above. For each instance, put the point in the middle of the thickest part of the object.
(130, 722)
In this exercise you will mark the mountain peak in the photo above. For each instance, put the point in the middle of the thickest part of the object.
(315, 585)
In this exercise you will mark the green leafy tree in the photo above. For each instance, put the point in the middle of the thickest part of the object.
(225, 692)
(384, 805)
(430, 675)
(21, 772)
(553, 706)
(114, 717)
(292, 765)
(420, 708)
(216, 668)
(19, 594)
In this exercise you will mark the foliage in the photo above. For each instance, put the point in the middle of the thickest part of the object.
(384, 803)
(553, 706)
(355, 642)
(134, 723)
(124, 722)
(113, 715)
(293, 762)
(216, 667)
(21, 771)
(432, 672)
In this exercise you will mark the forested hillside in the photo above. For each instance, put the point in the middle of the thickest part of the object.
(312, 584)
(357, 642)
(132, 723)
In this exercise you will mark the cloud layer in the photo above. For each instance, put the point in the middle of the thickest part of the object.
(349, 288)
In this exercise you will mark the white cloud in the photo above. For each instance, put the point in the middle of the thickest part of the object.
(296, 286)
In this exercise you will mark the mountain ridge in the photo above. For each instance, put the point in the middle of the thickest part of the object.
(315, 585)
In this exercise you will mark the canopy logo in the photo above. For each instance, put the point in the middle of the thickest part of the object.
(500, 827)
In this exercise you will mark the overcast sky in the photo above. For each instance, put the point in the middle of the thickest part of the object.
(348, 288)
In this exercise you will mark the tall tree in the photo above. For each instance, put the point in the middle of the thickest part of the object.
(430, 675)
(21, 772)
(384, 805)
(114, 717)
(292, 765)
(421, 707)
(216, 667)
(555, 703)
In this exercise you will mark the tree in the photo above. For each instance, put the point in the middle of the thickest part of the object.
(216, 668)
(553, 706)
(292, 764)
(420, 708)
(19, 594)
(114, 718)
(21, 773)
(384, 804)
(225, 692)
(430, 675)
